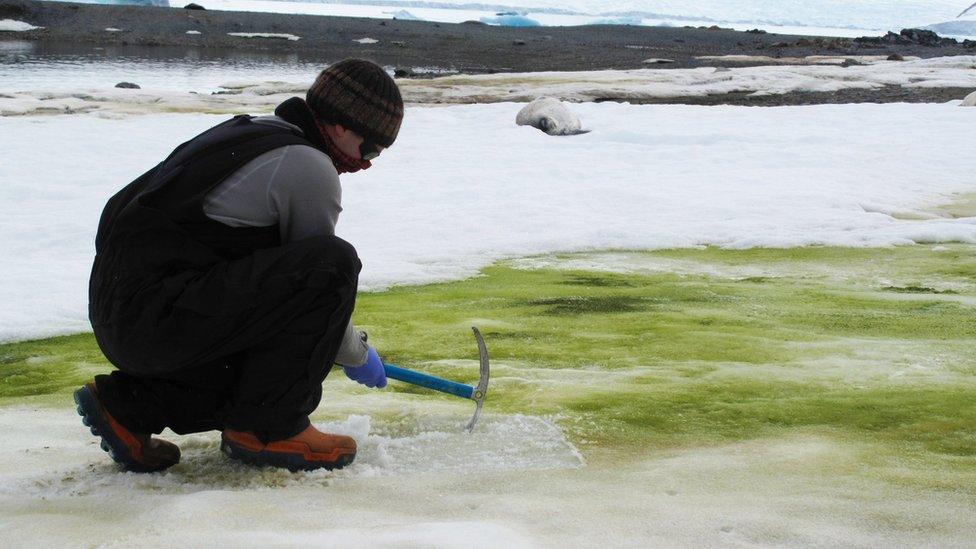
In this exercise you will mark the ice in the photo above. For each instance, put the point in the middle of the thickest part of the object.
(970, 100)
(961, 27)
(412, 446)
(826, 17)
(13, 25)
(510, 20)
(57, 488)
(276, 35)
(366, 40)
(404, 15)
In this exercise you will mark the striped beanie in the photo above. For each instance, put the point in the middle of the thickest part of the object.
(360, 96)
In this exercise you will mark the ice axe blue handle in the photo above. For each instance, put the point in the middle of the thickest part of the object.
(428, 381)
(477, 394)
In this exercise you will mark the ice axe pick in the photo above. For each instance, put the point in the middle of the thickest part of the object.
(477, 394)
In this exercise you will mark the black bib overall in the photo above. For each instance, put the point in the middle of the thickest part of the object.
(210, 325)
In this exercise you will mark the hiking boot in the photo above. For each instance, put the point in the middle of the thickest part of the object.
(133, 451)
(310, 449)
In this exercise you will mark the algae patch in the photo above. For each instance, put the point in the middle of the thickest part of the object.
(634, 352)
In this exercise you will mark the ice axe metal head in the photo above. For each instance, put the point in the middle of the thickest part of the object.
(477, 394)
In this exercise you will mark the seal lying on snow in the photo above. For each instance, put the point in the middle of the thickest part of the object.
(551, 116)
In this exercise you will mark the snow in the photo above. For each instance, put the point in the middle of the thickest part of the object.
(13, 25)
(961, 30)
(698, 82)
(291, 37)
(969, 100)
(58, 489)
(193, 32)
(645, 177)
(808, 60)
(167, 88)
(112, 29)
(366, 40)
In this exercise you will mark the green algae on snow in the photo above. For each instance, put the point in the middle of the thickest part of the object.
(46, 366)
(637, 350)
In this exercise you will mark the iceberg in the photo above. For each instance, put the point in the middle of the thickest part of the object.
(510, 19)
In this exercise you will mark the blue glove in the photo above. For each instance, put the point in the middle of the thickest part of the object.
(371, 373)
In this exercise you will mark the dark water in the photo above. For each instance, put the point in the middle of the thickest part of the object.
(60, 67)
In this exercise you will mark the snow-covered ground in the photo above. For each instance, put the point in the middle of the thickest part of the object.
(58, 489)
(464, 186)
(170, 87)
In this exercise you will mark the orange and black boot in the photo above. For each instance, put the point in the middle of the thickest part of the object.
(133, 451)
(310, 449)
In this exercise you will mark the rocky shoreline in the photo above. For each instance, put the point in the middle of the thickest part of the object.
(473, 48)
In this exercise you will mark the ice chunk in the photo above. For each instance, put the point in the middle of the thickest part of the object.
(405, 15)
(291, 37)
(16, 26)
(969, 101)
(510, 20)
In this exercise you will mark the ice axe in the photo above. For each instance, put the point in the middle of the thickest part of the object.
(477, 394)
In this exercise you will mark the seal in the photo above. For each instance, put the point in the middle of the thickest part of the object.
(551, 116)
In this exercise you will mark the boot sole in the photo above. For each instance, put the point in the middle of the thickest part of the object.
(292, 462)
(91, 414)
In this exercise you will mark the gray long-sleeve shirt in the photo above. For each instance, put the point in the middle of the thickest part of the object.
(297, 188)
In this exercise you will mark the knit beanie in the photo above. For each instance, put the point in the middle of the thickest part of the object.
(360, 96)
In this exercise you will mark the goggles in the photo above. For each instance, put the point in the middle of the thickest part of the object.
(369, 150)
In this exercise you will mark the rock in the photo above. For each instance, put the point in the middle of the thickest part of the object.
(969, 101)
(919, 37)
(780, 45)
(657, 61)
(969, 43)
(519, 42)
(399, 44)
(895, 57)
(551, 116)
(756, 31)
(805, 43)
(926, 38)
(192, 6)
(128, 86)
(402, 73)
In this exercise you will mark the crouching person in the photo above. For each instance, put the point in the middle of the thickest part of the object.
(220, 292)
